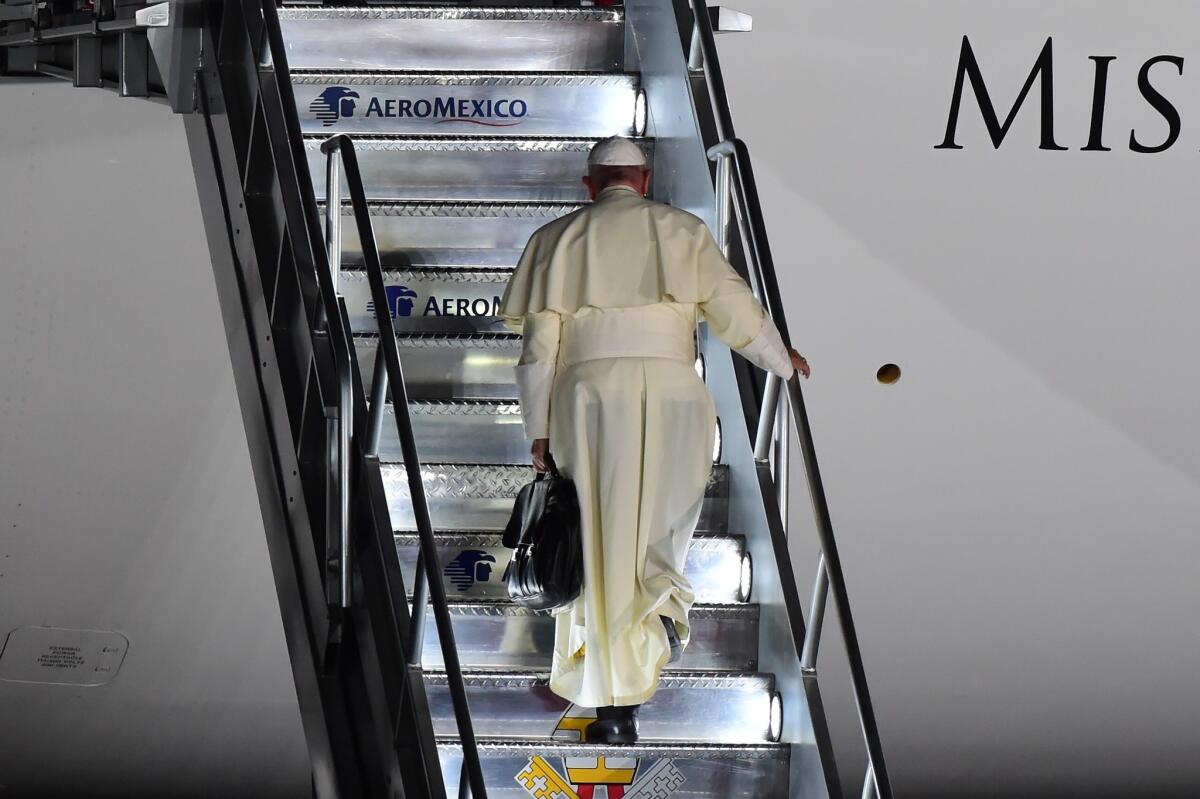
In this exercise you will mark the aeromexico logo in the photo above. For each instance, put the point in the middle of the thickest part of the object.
(469, 567)
(333, 104)
(339, 102)
(405, 302)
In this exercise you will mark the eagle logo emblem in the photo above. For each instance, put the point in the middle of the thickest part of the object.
(333, 104)
(469, 567)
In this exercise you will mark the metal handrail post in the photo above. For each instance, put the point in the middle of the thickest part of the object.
(729, 211)
(723, 188)
(375, 416)
(766, 418)
(378, 403)
(333, 216)
(345, 425)
(870, 788)
(333, 554)
(783, 466)
(345, 405)
(695, 60)
(416, 640)
(464, 782)
(816, 617)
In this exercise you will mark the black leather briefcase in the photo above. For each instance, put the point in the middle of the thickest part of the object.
(546, 570)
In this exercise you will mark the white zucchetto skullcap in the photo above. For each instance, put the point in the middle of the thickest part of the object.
(616, 151)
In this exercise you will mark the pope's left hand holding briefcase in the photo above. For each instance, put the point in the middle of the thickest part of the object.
(546, 570)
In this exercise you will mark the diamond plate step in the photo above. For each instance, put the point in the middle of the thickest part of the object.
(494, 258)
(429, 300)
(441, 366)
(465, 168)
(461, 431)
(591, 104)
(480, 497)
(432, 37)
(405, 232)
(522, 769)
(713, 707)
(500, 635)
(451, 366)
(473, 564)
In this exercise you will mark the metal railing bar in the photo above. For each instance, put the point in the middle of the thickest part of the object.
(399, 398)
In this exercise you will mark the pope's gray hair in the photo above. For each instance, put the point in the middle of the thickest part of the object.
(604, 176)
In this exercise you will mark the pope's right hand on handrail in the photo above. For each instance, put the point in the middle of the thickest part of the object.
(799, 363)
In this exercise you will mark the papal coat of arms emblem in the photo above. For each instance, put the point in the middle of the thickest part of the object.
(590, 777)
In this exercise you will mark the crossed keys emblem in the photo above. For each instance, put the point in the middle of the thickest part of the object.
(620, 777)
(541, 781)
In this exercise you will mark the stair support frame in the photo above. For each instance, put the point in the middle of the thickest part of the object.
(366, 718)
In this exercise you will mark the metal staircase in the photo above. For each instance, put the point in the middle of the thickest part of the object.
(452, 206)
(470, 128)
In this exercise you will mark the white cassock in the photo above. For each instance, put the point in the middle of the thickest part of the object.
(607, 299)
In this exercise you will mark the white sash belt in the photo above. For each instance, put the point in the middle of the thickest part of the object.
(651, 331)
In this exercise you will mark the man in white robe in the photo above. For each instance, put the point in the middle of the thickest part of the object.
(607, 300)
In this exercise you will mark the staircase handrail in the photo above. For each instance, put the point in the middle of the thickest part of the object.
(732, 154)
(391, 374)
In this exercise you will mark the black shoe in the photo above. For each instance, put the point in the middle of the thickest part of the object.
(672, 639)
(613, 725)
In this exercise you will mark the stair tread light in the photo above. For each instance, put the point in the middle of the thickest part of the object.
(745, 578)
(775, 728)
(639, 113)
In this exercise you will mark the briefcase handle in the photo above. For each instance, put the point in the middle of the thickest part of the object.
(553, 470)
